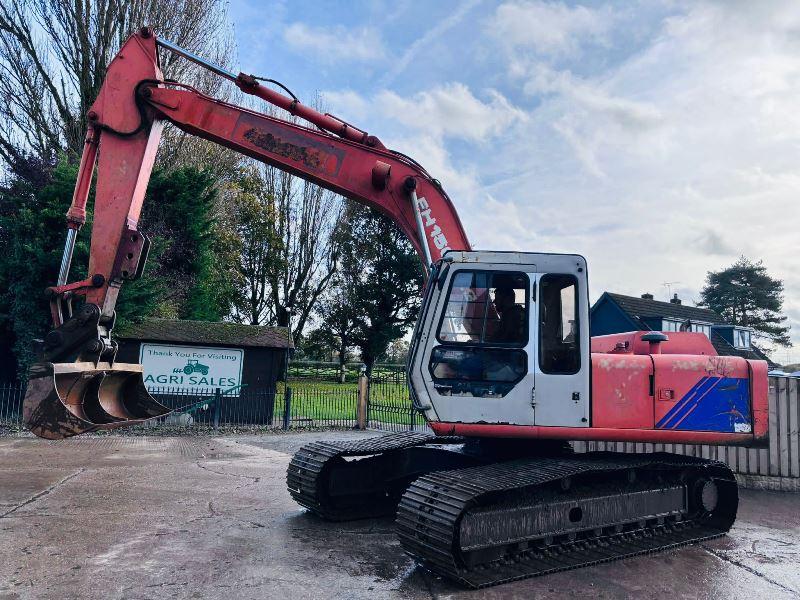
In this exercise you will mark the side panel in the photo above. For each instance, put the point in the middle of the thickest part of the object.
(621, 395)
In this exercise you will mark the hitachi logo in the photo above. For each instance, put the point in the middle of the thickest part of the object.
(429, 222)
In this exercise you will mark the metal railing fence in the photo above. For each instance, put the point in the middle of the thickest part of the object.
(389, 407)
(11, 395)
(195, 410)
(332, 372)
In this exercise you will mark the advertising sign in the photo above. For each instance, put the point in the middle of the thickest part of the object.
(200, 370)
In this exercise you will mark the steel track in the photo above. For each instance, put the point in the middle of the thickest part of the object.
(430, 513)
(307, 477)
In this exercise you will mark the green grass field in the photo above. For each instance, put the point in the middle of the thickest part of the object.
(329, 401)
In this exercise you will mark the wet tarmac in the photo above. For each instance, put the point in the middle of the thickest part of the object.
(199, 517)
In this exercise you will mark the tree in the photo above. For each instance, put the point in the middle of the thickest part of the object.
(316, 345)
(54, 54)
(744, 294)
(379, 281)
(254, 215)
(340, 316)
(32, 207)
(299, 246)
(398, 351)
(188, 270)
(198, 259)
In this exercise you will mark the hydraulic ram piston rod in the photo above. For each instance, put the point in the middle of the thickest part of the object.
(411, 187)
(196, 59)
(66, 259)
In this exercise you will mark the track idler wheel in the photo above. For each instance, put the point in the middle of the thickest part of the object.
(67, 399)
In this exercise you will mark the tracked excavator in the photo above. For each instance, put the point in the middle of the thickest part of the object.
(501, 363)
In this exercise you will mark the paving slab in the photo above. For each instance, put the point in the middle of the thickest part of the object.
(201, 517)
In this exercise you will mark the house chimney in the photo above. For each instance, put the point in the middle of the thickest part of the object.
(675, 299)
(647, 296)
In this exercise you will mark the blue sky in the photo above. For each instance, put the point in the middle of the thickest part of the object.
(659, 139)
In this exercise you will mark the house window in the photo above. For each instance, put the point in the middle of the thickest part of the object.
(741, 338)
(701, 328)
(667, 325)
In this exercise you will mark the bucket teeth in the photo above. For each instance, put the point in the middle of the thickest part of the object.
(67, 399)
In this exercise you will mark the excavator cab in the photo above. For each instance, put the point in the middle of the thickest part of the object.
(503, 337)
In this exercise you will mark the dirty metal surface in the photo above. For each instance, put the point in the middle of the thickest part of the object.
(211, 518)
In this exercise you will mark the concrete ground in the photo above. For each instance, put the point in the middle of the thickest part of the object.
(199, 517)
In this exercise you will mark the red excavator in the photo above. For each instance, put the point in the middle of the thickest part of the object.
(501, 362)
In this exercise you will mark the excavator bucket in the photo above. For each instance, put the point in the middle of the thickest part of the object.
(67, 399)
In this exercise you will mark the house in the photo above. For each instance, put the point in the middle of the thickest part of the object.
(616, 313)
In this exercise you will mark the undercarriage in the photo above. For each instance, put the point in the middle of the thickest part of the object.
(483, 512)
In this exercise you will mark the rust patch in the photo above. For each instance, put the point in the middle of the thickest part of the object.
(718, 365)
(313, 155)
(270, 143)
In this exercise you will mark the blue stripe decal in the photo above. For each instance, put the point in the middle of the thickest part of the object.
(719, 404)
(696, 401)
(687, 402)
(681, 403)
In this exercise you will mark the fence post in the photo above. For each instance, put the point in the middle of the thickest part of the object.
(217, 406)
(363, 399)
(287, 406)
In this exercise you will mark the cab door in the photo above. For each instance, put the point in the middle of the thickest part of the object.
(563, 365)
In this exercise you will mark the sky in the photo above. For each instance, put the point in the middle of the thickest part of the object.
(659, 139)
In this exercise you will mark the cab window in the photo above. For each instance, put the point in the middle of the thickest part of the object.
(477, 372)
(485, 307)
(559, 339)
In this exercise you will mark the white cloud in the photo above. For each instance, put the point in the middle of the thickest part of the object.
(550, 28)
(449, 110)
(627, 114)
(658, 162)
(422, 126)
(332, 44)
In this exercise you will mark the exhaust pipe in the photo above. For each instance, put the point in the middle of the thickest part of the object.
(67, 399)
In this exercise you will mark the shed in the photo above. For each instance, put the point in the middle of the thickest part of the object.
(259, 352)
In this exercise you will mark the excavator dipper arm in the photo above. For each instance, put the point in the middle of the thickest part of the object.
(125, 125)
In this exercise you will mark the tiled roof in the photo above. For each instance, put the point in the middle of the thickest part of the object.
(639, 308)
(203, 332)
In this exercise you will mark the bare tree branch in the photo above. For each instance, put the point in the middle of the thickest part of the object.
(54, 54)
